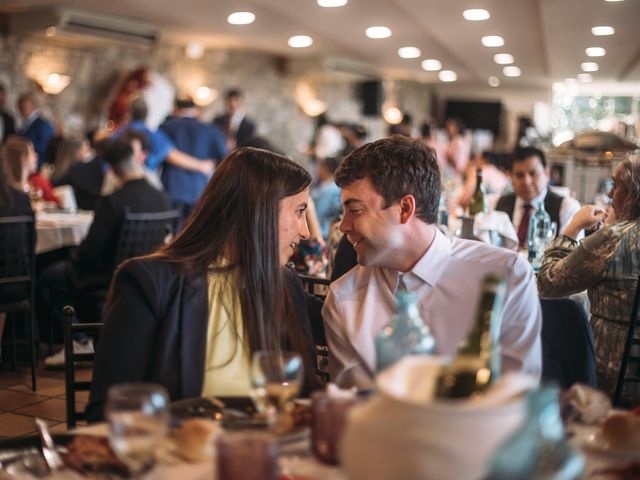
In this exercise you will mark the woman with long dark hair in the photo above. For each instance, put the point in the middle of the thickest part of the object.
(190, 315)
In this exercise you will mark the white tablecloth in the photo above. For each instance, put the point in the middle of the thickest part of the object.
(56, 229)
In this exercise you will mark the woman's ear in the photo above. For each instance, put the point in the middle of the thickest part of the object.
(407, 208)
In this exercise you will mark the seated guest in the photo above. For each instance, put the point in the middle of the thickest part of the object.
(190, 316)
(530, 178)
(606, 264)
(326, 195)
(34, 126)
(21, 162)
(493, 179)
(86, 174)
(390, 193)
(91, 265)
(13, 202)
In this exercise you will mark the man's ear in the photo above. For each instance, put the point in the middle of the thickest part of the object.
(407, 208)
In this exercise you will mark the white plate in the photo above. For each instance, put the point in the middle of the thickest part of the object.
(597, 443)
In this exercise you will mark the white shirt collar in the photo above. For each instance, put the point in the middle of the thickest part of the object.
(535, 202)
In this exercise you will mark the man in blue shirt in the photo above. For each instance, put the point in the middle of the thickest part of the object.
(34, 127)
(201, 141)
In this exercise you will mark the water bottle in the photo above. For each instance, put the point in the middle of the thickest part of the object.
(405, 334)
(538, 236)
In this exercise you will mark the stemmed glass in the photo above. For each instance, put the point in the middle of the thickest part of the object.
(276, 379)
(138, 419)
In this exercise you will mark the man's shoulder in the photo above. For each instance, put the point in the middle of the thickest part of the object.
(354, 280)
(479, 253)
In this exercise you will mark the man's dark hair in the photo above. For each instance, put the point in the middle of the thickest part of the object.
(138, 109)
(184, 101)
(117, 154)
(332, 164)
(522, 154)
(234, 93)
(396, 166)
(129, 135)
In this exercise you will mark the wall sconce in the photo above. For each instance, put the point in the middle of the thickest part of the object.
(203, 96)
(54, 83)
(391, 113)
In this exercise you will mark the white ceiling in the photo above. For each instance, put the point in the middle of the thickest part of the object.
(547, 37)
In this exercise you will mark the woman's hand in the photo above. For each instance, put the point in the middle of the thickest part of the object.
(590, 217)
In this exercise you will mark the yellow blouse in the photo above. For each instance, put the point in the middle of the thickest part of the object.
(227, 363)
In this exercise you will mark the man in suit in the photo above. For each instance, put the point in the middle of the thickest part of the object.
(91, 265)
(530, 178)
(34, 126)
(234, 123)
(7, 123)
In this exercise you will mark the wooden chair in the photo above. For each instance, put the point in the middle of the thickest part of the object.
(317, 287)
(71, 359)
(630, 357)
(17, 272)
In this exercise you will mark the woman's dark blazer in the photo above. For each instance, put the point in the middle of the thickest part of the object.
(155, 330)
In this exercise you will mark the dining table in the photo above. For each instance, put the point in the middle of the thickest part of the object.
(59, 228)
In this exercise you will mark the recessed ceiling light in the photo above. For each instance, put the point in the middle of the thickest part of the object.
(511, 71)
(447, 76)
(589, 67)
(300, 41)
(492, 41)
(614, 0)
(603, 30)
(595, 52)
(378, 31)
(431, 65)
(241, 18)
(332, 3)
(494, 81)
(476, 14)
(503, 58)
(409, 52)
(584, 77)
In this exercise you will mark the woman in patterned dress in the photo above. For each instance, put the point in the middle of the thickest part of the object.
(606, 264)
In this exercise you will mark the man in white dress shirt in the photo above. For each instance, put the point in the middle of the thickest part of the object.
(530, 179)
(390, 193)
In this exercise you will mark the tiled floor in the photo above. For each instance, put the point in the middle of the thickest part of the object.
(19, 405)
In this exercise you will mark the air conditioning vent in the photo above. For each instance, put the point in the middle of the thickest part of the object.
(69, 22)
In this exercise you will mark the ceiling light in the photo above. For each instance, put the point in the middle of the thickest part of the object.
(409, 52)
(511, 71)
(595, 52)
(431, 65)
(584, 77)
(503, 58)
(391, 113)
(54, 83)
(492, 41)
(476, 14)
(494, 81)
(378, 32)
(589, 67)
(332, 3)
(614, 0)
(603, 30)
(241, 18)
(447, 76)
(300, 41)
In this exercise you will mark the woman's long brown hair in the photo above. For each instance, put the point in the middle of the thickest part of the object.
(237, 217)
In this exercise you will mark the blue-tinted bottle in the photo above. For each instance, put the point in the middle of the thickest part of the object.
(405, 334)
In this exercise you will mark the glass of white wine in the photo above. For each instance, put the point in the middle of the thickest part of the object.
(138, 419)
(276, 379)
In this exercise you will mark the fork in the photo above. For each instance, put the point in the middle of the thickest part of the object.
(51, 455)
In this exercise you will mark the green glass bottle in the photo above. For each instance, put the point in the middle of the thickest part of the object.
(478, 201)
(477, 362)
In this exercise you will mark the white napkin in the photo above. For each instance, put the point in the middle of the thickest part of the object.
(400, 433)
(498, 222)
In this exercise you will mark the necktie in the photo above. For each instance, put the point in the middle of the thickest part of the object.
(523, 228)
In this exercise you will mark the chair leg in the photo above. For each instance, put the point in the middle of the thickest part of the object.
(50, 343)
(13, 344)
(32, 346)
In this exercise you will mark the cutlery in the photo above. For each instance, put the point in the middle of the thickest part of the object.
(51, 455)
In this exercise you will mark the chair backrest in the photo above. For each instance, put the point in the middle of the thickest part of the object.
(71, 359)
(317, 288)
(141, 233)
(315, 285)
(17, 249)
(628, 356)
(567, 343)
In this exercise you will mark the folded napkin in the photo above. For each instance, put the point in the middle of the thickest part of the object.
(403, 432)
(495, 228)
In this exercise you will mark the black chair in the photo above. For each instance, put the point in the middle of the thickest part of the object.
(345, 259)
(315, 285)
(316, 288)
(567, 343)
(630, 357)
(71, 360)
(17, 278)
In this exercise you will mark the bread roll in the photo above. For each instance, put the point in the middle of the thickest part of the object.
(195, 439)
(622, 431)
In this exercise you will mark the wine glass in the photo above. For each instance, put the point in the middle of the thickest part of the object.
(138, 418)
(276, 379)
